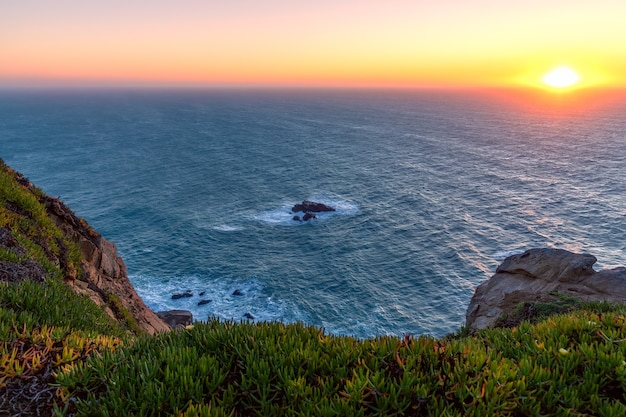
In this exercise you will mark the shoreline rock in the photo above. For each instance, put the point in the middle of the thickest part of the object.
(535, 276)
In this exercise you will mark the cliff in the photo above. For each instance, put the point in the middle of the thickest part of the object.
(103, 279)
(86, 261)
(542, 276)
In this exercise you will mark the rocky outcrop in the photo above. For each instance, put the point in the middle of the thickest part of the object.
(535, 276)
(311, 207)
(103, 279)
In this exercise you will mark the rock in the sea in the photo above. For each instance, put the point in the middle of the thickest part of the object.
(311, 207)
(185, 294)
(203, 302)
(538, 274)
(308, 216)
(249, 316)
(237, 293)
(176, 318)
(296, 218)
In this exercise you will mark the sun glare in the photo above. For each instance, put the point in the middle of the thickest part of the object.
(561, 77)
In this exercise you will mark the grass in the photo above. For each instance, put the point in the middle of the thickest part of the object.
(24, 215)
(570, 364)
(567, 364)
(540, 310)
(44, 326)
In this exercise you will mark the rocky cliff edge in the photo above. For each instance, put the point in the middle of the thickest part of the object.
(536, 276)
(104, 279)
(101, 275)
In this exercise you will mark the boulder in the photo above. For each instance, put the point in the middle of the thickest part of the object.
(311, 207)
(308, 216)
(203, 302)
(237, 293)
(538, 274)
(185, 294)
(176, 318)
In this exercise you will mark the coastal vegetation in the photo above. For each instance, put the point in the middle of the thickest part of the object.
(60, 354)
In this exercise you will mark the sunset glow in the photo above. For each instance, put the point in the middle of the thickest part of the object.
(399, 43)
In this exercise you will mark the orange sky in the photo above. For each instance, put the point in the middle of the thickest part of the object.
(415, 43)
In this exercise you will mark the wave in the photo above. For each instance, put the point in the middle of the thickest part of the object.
(227, 228)
(227, 299)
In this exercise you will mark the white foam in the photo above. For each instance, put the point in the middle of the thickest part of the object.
(157, 294)
(503, 254)
(227, 228)
(278, 216)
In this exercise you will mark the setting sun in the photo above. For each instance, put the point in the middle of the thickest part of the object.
(561, 77)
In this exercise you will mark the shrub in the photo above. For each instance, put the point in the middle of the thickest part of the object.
(568, 364)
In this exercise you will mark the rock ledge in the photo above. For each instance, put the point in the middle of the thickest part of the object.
(536, 275)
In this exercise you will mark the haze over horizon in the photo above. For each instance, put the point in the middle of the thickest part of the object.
(398, 43)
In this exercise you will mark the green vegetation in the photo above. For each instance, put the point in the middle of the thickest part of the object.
(44, 326)
(537, 311)
(60, 354)
(566, 365)
(37, 238)
(128, 320)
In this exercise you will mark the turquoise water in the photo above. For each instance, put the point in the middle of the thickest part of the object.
(432, 191)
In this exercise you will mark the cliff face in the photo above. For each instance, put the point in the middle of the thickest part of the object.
(537, 275)
(104, 279)
(34, 225)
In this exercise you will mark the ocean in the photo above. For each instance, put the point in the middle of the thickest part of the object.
(432, 190)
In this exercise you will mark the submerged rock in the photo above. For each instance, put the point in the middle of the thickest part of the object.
(237, 293)
(203, 302)
(176, 318)
(536, 276)
(185, 294)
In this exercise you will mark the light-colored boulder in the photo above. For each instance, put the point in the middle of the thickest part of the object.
(538, 274)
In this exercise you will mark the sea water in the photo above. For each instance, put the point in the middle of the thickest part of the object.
(431, 189)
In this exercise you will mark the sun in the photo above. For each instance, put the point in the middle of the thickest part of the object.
(561, 77)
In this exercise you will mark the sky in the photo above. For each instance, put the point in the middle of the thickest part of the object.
(394, 43)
